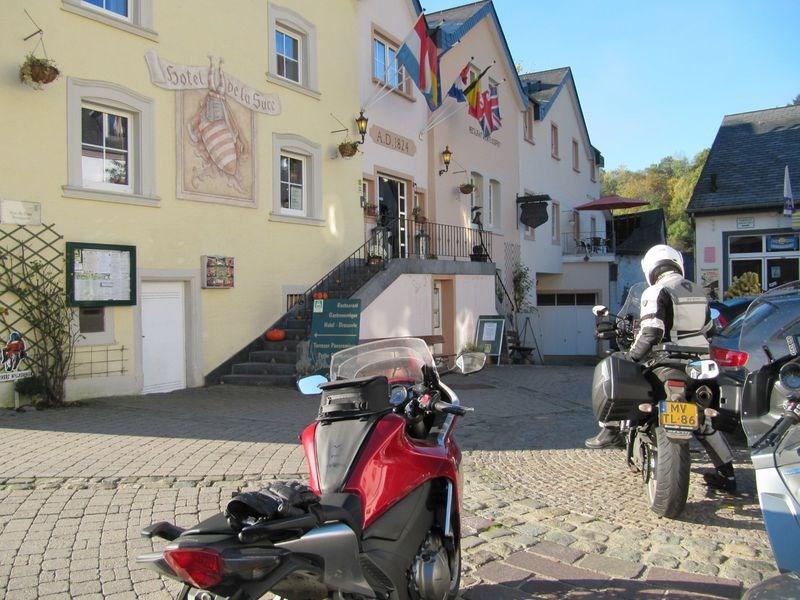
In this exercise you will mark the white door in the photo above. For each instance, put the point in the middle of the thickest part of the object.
(163, 337)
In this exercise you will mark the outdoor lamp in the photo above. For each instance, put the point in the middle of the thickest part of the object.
(447, 156)
(361, 123)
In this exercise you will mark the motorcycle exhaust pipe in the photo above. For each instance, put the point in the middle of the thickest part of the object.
(704, 395)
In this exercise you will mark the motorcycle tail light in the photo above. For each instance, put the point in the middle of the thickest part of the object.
(729, 358)
(200, 567)
(722, 322)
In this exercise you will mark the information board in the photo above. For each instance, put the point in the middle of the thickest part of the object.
(489, 335)
(101, 274)
(335, 325)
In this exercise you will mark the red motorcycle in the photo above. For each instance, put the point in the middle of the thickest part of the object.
(380, 517)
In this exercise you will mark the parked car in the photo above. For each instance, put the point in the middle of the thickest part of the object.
(732, 352)
(730, 309)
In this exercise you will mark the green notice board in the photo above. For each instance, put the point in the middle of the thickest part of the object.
(489, 334)
(335, 326)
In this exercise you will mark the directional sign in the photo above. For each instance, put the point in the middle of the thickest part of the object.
(335, 325)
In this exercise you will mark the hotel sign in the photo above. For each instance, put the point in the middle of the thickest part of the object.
(392, 140)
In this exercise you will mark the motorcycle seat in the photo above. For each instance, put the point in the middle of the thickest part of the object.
(216, 525)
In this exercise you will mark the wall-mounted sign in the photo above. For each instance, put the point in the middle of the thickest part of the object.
(18, 212)
(218, 271)
(335, 325)
(392, 140)
(745, 222)
(12, 354)
(782, 243)
(478, 133)
(101, 274)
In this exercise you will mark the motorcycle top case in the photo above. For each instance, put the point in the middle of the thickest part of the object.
(618, 388)
(353, 398)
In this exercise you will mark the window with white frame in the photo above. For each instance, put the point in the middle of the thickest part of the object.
(384, 64)
(554, 140)
(293, 52)
(110, 143)
(287, 55)
(527, 124)
(555, 222)
(493, 203)
(106, 149)
(133, 16)
(297, 184)
(576, 165)
(292, 180)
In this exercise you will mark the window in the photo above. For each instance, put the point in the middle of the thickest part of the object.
(742, 244)
(554, 140)
(493, 205)
(297, 180)
(118, 7)
(555, 225)
(576, 166)
(110, 144)
(771, 255)
(566, 299)
(105, 149)
(527, 125)
(287, 50)
(293, 55)
(292, 188)
(96, 326)
(384, 64)
(133, 16)
(592, 170)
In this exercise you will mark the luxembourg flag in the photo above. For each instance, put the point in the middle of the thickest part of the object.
(420, 57)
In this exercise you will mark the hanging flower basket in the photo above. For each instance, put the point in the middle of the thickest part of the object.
(348, 149)
(36, 72)
(466, 188)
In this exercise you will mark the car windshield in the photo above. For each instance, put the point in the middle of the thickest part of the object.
(633, 301)
(396, 358)
(771, 325)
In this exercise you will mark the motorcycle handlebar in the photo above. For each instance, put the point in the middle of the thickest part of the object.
(788, 419)
(452, 409)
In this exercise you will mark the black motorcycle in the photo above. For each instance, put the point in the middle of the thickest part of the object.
(657, 426)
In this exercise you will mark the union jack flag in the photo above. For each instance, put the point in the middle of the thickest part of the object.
(490, 119)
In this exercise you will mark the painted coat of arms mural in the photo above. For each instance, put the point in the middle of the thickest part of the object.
(216, 130)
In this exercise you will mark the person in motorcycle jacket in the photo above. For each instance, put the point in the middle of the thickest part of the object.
(675, 310)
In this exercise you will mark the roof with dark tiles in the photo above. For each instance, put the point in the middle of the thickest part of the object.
(747, 161)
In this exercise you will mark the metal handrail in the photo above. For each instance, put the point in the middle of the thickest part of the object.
(587, 243)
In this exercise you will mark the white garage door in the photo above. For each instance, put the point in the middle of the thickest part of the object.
(567, 323)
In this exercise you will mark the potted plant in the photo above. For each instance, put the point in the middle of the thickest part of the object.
(37, 72)
(416, 212)
(466, 188)
(374, 259)
(371, 209)
(478, 254)
(348, 149)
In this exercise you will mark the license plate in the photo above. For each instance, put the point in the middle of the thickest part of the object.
(677, 415)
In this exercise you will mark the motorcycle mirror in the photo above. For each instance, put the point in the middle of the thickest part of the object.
(715, 314)
(599, 310)
(309, 386)
(789, 376)
(470, 362)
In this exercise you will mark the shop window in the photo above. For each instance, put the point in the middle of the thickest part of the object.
(750, 265)
(110, 143)
(297, 180)
(743, 244)
(133, 16)
(293, 56)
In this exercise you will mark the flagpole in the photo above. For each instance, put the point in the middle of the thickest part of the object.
(382, 87)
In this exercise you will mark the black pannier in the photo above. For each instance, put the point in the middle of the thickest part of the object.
(618, 388)
(353, 398)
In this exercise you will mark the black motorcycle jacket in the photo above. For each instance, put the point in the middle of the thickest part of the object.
(672, 310)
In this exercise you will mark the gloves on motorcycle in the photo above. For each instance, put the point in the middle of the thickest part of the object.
(279, 499)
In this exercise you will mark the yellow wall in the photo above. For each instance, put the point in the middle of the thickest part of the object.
(269, 254)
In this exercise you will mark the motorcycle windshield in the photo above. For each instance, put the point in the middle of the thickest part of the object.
(633, 301)
(398, 358)
(771, 326)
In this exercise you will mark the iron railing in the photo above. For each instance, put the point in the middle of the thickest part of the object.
(410, 238)
(587, 243)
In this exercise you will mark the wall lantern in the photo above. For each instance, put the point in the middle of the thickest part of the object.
(447, 156)
(361, 123)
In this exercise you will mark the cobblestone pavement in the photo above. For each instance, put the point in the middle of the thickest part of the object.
(544, 517)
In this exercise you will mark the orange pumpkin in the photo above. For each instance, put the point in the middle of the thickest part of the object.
(276, 335)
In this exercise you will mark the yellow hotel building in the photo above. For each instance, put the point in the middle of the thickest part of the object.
(184, 130)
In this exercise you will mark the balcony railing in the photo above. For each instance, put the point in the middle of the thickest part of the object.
(587, 243)
(409, 238)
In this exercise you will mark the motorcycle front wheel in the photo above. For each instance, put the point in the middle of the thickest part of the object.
(666, 474)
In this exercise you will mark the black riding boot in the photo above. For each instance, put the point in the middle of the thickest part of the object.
(723, 479)
(609, 437)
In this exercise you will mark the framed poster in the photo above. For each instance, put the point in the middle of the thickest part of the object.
(489, 335)
(218, 272)
(101, 274)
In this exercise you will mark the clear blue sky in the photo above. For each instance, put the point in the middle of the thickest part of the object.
(656, 78)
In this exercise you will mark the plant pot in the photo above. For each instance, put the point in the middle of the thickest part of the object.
(466, 188)
(348, 149)
(374, 260)
(43, 73)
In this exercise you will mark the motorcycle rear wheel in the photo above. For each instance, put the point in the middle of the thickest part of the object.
(667, 475)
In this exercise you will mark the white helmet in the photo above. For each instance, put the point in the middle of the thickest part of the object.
(659, 256)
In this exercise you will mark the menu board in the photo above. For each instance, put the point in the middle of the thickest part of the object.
(101, 274)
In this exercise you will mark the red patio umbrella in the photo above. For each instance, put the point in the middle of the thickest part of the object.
(609, 202)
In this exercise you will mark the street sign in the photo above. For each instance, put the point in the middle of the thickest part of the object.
(335, 325)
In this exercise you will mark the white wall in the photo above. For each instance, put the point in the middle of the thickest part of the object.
(475, 296)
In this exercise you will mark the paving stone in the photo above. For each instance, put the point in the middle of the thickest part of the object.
(611, 566)
(555, 569)
(500, 572)
(694, 583)
(556, 551)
